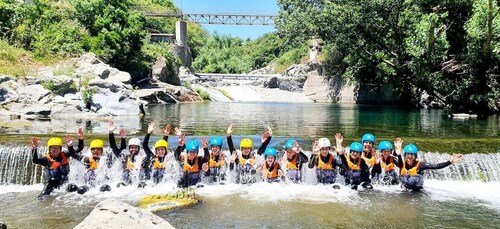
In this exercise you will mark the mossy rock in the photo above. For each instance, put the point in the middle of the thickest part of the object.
(155, 203)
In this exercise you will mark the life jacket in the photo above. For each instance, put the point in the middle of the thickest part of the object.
(410, 172)
(93, 164)
(190, 168)
(212, 163)
(243, 161)
(387, 167)
(272, 174)
(292, 165)
(55, 164)
(369, 161)
(325, 166)
(157, 164)
(130, 165)
(352, 166)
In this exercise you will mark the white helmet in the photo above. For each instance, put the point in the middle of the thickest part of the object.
(324, 142)
(134, 142)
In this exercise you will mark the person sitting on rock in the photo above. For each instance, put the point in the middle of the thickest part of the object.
(412, 170)
(217, 164)
(293, 161)
(357, 169)
(191, 163)
(244, 163)
(271, 169)
(56, 161)
(325, 162)
(385, 162)
(156, 162)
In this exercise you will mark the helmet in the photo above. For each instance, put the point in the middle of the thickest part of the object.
(192, 146)
(270, 151)
(161, 143)
(356, 147)
(134, 142)
(246, 143)
(216, 141)
(368, 137)
(290, 144)
(384, 145)
(96, 143)
(410, 148)
(54, 142)
(324, 142)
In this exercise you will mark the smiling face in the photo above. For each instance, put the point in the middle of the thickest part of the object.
(96, 152)
(133, 149)
(54, 151)
(290, 153)
(367, 146)
(324, 151)
(246, 150)
(160, 151)
(410, 158)
(191, 155)
(270, 159)
(354, 154)
(215, 150)
(386, 153)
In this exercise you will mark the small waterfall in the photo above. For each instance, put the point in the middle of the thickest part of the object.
(16, 166)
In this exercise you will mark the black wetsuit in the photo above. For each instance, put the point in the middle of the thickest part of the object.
(356, 177)
(390, 177)
(325, 176)
(216, 173)
(147, 162)
(296, 175)
(416, 182)
(190, 178)
(245, 170)
(58, 176)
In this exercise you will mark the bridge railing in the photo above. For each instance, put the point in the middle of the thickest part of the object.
(225, 19)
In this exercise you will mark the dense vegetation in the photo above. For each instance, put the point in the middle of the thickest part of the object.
(448, 49)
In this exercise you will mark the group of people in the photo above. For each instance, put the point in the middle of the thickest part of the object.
(358, 165)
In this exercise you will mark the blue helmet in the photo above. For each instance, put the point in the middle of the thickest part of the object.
(384, 145)
(192, 146)
(356, 147)
(368, 137)
(216, 141)
(270, 151)
(289, 144)
(410, 148)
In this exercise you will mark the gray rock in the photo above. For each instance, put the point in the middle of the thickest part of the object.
(61, 84)
(4, 79)
(33, 92)
(164, 72)
(114, 214)
(96, 83)
(272, 83)
(107, 102)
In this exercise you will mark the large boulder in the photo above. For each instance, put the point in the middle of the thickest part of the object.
(165, 72)
(115, 214)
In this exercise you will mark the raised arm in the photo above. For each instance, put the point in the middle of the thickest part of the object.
(145, 142)
(266, 138)
(35, 143)
(314, 155)
(398, 143)
(112, 141)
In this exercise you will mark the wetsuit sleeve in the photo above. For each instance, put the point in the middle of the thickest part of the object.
(264, 145)
(80, 146)
(177, 153)
(112, 145)
(303, 158)
(206, 154)
(399, 162)
(230, 144)
(72, 153)
(344, 161)
(165, 137)
(145, 146)
(314, 161)
(123, 144)
(365, 171)
(86, 162)
(377, 168)
(423, 166)
(39, 161)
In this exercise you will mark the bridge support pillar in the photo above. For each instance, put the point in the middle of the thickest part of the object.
(181, 33)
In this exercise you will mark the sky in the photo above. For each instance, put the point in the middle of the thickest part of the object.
(252, 7)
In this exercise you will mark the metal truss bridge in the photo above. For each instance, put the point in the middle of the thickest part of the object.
(224, 19)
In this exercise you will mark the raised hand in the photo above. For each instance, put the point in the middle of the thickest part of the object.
(182, 140)
(204, 142)
(230, 130)
(35, 142)
(151, 127)
(232, 158)
(338, 143)
(111, 126)
(378, 157)
(296, 147)
(455, 158)
(80, 133)
(315, 148)
(167, 129)
(123, 134)
(178, 131)
(398, 144)
(269, 131)
(69, 140)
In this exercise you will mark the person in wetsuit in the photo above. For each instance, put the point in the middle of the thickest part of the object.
(357, 169)
(156, 162)
(191, 163)
(244, 163)
(385, 162)
(217, 164)
(293, 161)
(325, 162)
(271, 169)
(412, 170)
(56, 161)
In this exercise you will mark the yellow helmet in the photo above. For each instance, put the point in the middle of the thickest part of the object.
(96, 143)
(246, 143)
(54, 142)
(161, 143)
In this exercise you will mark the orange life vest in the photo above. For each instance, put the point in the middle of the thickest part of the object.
(388, 167)
(352, 166)
(93, 163)
(55, 164)
(130, 164)
(159, 165)
(243, 161)
(369, 161)
(410, 172)
(212, 163)
(272, 174)
(292, 165)
(325, 166)
(190, 168)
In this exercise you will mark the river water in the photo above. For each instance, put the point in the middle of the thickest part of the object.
(464, 195)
